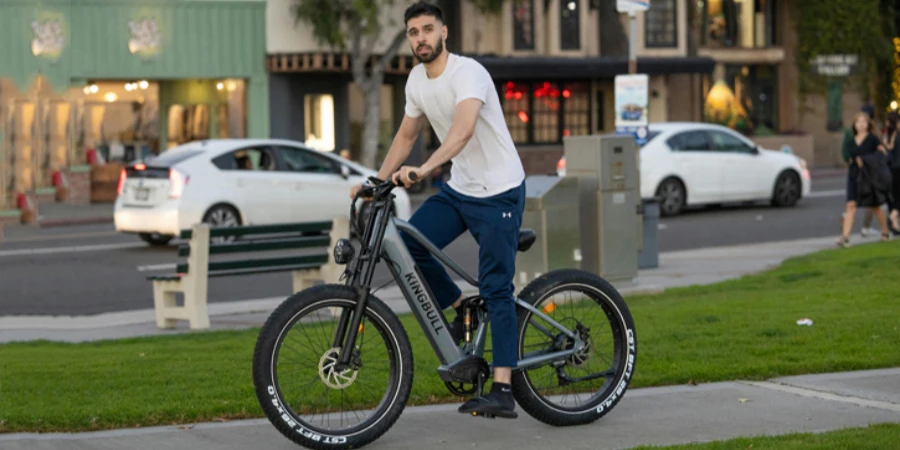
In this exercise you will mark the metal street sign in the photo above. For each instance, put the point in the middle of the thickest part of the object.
(632, 6)
(834, 65)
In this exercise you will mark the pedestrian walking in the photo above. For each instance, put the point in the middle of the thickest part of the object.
(863, 188)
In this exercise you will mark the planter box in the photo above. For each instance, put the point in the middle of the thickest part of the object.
(104, 181)
(801, 145)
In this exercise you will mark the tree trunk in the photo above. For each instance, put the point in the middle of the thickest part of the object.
(372, 123)
(613, 40)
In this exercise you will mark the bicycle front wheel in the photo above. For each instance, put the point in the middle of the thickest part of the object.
(303, 392)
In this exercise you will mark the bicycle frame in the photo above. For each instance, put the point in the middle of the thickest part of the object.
(384, 239)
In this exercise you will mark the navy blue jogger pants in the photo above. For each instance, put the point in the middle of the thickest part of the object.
(494, 223)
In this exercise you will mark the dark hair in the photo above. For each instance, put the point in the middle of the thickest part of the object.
(868, 109)
(891, 128)
(423, 8)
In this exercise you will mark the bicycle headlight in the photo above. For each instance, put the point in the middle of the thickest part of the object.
(343, 251)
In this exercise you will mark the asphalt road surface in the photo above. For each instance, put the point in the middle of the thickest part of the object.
(92, 269)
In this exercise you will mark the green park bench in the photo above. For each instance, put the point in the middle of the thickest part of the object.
(192, 275)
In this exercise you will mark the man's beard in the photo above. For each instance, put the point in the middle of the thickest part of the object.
(431, 56)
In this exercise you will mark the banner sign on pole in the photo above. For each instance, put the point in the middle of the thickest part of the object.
(632, 105)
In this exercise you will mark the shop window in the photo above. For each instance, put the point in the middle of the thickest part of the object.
(523, 24)
(661, 25)
(745, 99)
(121, 119)
(576, 109)
(545, 112)
(737, 23)
(231, 112)
(516, 102)
(569, 29)
(318, 114)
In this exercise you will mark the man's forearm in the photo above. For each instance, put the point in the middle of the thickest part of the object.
(451, 147)
(399, 151)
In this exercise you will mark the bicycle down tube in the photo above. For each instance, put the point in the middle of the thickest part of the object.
(417, 293)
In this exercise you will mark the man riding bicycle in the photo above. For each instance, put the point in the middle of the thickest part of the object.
(485, 193)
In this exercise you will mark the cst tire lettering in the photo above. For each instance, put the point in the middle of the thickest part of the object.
(626, 377)
(298, 428)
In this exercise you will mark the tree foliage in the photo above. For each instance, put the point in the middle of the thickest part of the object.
(860, 27)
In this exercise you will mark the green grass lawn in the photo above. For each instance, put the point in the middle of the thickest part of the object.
(740, 329)
(875, 437)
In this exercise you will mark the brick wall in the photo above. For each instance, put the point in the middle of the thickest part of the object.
(540, 160)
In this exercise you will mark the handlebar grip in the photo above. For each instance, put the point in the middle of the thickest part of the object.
(413, 176)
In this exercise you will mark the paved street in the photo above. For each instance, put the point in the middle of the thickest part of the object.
(91, 269)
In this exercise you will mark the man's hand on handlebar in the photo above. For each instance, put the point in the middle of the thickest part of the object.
(407, 176)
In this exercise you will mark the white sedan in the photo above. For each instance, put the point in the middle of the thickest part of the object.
(230, 182)
(688, 164)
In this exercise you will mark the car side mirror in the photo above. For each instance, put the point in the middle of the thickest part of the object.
(345, 171)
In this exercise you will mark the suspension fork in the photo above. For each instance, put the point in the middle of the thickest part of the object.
(369, 260)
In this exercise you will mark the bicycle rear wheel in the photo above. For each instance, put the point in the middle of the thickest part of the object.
(302, 393)
(586, 385)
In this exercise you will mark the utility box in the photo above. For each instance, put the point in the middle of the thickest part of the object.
(608, 173)
(551, 210)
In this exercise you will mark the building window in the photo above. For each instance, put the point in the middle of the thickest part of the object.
(569, 31)
(734, 23)
(318, 121)
(516, 110)
(544, 112)
(745, 99)
(523, 24)
(661, 24)
(576, 109)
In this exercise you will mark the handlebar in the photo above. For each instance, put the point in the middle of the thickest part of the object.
(378, 190)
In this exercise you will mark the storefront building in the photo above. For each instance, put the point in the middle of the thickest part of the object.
(544, 56)
(112, 81)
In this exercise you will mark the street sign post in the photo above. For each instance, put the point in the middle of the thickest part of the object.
(631, 90)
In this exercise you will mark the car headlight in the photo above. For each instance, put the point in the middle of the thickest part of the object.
(802, 163)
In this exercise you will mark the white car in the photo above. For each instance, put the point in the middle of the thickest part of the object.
(688, 164)
(230, 182)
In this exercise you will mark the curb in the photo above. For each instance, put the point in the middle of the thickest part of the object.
(827, 173)
(68, 221)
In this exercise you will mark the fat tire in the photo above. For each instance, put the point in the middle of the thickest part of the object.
(522, 390)
(263, 376)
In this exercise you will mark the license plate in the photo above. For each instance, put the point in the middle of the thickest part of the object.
(142, 194)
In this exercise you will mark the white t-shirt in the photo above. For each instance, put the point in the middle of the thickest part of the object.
(489, 163)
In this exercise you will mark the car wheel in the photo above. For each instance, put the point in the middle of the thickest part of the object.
(222, 216)
(672, 197)
(787, 190)
(156, 238)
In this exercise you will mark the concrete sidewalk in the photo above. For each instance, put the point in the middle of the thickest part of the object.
(676, 269)
(652, 416)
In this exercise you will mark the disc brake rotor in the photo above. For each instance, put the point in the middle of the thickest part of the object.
(331, 377)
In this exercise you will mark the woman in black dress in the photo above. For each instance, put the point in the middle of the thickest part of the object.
(864, 142)
(892, 144)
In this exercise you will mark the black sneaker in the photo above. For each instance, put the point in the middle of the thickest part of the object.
(458, 326)
(498, 403)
